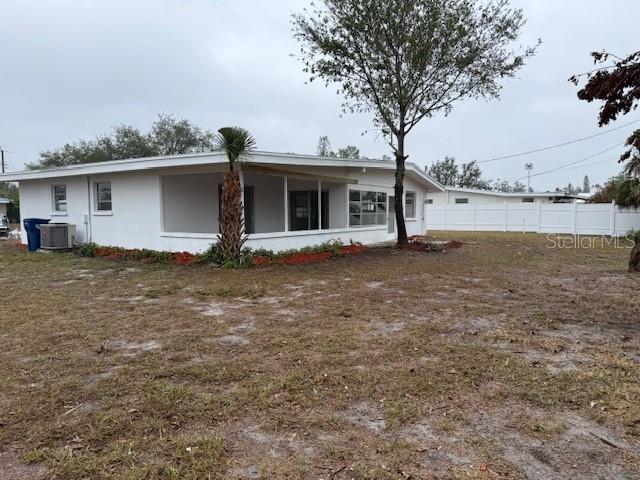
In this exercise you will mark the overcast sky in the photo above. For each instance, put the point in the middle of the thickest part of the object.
(73, 69)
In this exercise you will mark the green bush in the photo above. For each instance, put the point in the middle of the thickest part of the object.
(264, 252)
(213, 255)
(89, 249)
(332, 246)
(634, 236)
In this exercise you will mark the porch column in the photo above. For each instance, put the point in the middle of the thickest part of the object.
(286, 204)
(241, 176)
(346, 196)
(319, 205)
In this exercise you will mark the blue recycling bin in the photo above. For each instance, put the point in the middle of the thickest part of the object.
(32, 227)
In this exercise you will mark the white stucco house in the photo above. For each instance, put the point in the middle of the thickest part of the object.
(172, 203)
(457, 195)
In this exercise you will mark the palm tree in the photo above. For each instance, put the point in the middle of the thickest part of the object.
(237, 143)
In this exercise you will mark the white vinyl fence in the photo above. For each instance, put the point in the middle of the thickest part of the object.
(573, 218)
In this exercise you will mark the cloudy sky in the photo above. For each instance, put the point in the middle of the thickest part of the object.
(72, 69)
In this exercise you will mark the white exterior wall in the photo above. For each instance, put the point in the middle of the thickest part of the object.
(36, 201)
(190, 202)
(142, 215)
(136, 217)
(338, 198)
(268, 202)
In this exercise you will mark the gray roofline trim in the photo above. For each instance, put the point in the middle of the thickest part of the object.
(510, 194)
(208, 158)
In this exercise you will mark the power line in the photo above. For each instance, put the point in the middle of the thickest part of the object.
(593, 163)
(558, 145)
(560, 167)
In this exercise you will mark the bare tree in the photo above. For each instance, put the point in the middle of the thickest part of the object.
(406, 60)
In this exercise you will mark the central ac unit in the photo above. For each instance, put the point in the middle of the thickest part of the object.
(57, 236)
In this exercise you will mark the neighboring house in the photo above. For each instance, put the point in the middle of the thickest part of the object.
(456, 195)
(172, 203)
(4, 202)
(4, 222)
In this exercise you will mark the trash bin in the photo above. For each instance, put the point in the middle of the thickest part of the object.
(32, 227)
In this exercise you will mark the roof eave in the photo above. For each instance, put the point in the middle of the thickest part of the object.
(209, 158)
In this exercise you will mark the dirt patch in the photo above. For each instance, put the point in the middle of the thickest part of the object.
(277, 444)
(212, 310)
(582, 449)
(129, 349)
(232, 340)
(13, 468)
(366, 415)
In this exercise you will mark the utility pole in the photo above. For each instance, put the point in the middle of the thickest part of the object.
(528, 167)
(2, 155)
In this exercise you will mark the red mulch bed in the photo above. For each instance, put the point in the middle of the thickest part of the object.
(306, 258)
(186, 258)
(114, 253)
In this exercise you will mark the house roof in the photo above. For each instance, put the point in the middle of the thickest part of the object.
(511, 194)
(212, 158)
(4, 200)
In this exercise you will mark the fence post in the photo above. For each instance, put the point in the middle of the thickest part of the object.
(575, 217)
(539, 219)
(474, 216)
(506, 217)
(444, 217)
(613, 218)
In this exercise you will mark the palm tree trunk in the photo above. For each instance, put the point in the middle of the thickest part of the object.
(231, 222)
(634, 259)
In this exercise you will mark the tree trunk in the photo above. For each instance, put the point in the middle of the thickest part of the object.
(231, 223)
(399, 193)
(634, 260)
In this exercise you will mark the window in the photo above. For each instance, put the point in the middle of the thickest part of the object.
(462, 200)
(410, 204)
(527, 200)
(103, 196)
(429, 201)
(367, 208)
(60, 198)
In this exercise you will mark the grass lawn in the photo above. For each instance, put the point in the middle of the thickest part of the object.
(502, 359)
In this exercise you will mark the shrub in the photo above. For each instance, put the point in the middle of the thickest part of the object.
(633, 236)
(215, 256)
(89, 249)
(264, 253)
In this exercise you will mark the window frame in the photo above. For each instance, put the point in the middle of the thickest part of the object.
(414, 196)
(97, 201)
(528, 200)
(56, 203)
(461, 201)
(370, 205)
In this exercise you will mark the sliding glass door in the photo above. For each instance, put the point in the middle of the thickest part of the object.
(303, 210)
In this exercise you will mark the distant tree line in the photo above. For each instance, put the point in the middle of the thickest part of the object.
(167, 136)
(325, 150)
(469, 175)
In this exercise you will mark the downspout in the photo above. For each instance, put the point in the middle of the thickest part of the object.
(88, 217)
